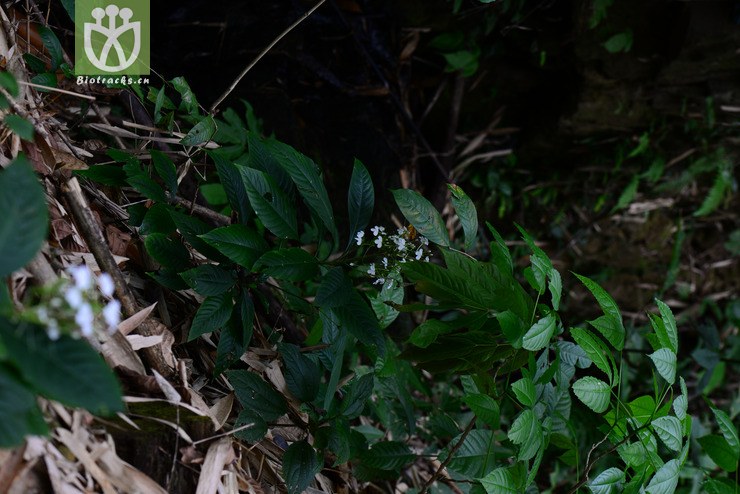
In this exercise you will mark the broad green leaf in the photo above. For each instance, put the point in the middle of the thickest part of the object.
(388, 455)
(669, 323)
(512, 326)
(597, 351)
(499, 481)
(556, 287)
(594, 393)
(621, 42)
(484, 407)
(610, 308)
(8, 82)
(627, 195)
(665, 363)
(538, 336)
(665, 479)
(427, 332)
(214, 194)
(722, 184)
(236, 192)
(720, 451)
(19, 414)
(300, 465)
(67, 370)
(252, 434)
(212, 314)
(527, 432)
(302, 375)
(170, 253)
(25, 218)
(360, 199)
(500, 254)
(358, 394)
(256, 395)
(157, 220)
(261, 158)
(607, 482)
(239, 243)
(188, 102)
(536, 250)
(209, 279)
(147, 187)
(359, 319)
(191, 229)
(112, 175)
(273, 207)
(525, 391)
(20, 126)
(572, 354)
(444, 286)
(668, 430)
(305, 174)
(720, 486)
(642, 409)
(53, 46)
(165, 169)
(422, 215)
(201, 133)
(293, 264)
(467, 213)
(727, 428)
(475, 457)
(335, 289)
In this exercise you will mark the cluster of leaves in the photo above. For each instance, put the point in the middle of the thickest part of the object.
(67, 370)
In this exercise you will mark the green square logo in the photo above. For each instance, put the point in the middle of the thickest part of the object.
(112, 37)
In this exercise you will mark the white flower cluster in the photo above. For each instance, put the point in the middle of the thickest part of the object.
(400, 247)
(72, 307)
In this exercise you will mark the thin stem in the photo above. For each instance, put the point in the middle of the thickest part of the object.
(451, 453)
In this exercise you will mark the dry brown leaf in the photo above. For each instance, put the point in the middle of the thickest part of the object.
(133, 322)
(220, 454)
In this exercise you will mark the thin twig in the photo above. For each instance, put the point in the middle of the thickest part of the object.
(450, 454)
(262, 54)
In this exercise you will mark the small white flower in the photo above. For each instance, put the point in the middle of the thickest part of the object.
(377, 229)
(73, 296)
(385, 262)
(419, 253)
(42, 314)
(400, 244)
(379, 281)
(112, 314)
(401, 230)
(55, 302)
(426, 259)
(53, 331)
(82, 277)
(371, 270)
(359, 237)
(105, 282)
(379, 242)
(84, 319)
(424, 240)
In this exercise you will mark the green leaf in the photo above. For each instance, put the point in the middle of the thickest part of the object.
(272, 205)
(668, 430)
(188, 101)
(357, 396)
(201, 133)
(147, 188)
(467, 213)
(335, 289)
(360, 199)
(46, 80)
(621, 42)
(427, 332)
(20, 126)
(231, 179)
(500, 254)
(158, 220)
(665, 363)
(8, 82)
(240, 244)
(597, 351)
(722, 184)
(669, 323)
(305, 174)
(728, 429)
(665, 479)
(499, 481)
(293, 264)
(388, 455)
(628, 195)
(422, 215)
(53, 46)
(538, 336)
(720, 486)
(252, 434)
(556, 287)
(209, 279)
(19, 414)
(104, 174)
(170, 253)
(359, 319)
(165, 169)
(24, 215)
(485, 408)
(475, 458)
(607, 482)
(527, 432)
(191, 229)
(212, 314)
(594, 393)
(610, 308)
(256, 395)
(720, 451)
(67, 370)
(302, 375)
(525, 391)
(300, 465)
